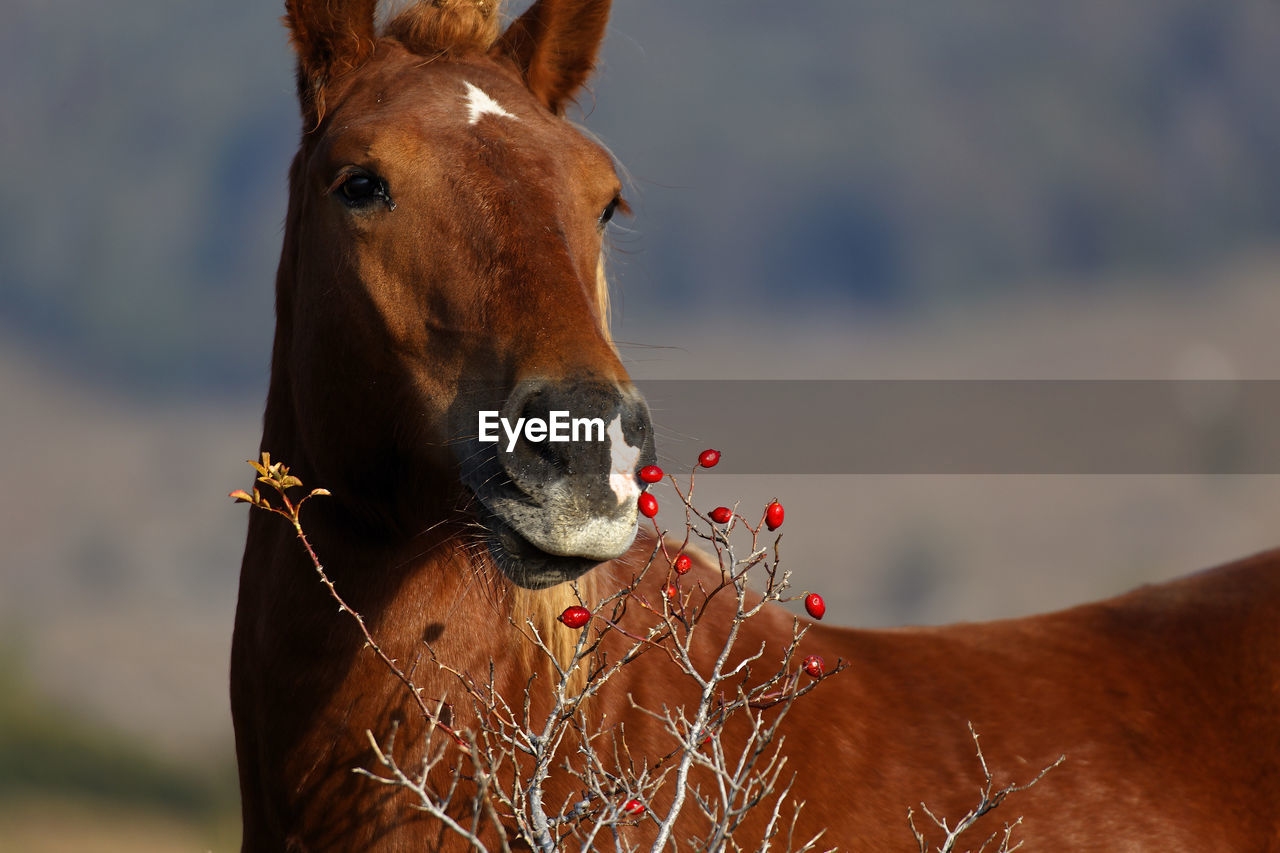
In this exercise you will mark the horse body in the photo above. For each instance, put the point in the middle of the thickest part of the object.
(441, 256)
(1165, 702)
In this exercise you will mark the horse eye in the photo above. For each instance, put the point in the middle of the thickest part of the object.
(609, 211)
(360, 189)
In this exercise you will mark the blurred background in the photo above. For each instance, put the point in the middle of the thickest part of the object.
(828, 190)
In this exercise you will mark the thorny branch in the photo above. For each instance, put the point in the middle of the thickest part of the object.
(494, 791)
(989, 799)
(276, 476)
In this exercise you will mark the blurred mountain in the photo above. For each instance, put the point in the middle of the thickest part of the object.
(148, 143)
(903, 152)
(840, 156)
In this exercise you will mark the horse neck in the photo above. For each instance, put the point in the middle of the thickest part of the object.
(413, 585)
(436, 587)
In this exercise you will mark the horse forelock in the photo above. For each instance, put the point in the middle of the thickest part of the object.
(441, 27)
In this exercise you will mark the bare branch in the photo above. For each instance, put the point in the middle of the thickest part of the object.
(989, 800)
(504, 764)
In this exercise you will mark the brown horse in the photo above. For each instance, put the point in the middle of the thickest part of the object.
(442, 256)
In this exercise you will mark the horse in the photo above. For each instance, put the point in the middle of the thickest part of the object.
(442, 256)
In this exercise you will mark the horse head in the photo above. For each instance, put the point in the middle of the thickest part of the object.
(442, 342)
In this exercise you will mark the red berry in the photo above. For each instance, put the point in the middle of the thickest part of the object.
(813, 665)
(651, 473)
(721, 515)
(815, 605)
(683, 563)
(708, 458)
(648, 505)
(575, 616)
(633, 807)
(773, 515)
(671, 592)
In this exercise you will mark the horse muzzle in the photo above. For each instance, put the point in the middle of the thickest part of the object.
(555, 471)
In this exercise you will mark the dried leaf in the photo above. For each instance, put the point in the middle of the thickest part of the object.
(241, 496)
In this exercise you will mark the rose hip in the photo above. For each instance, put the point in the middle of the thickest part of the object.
(575, 616)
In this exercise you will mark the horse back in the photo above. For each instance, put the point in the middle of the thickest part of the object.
(1165, 702)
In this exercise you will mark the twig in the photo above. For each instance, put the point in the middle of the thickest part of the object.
(989, 800)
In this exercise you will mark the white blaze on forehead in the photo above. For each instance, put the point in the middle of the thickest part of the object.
(622, 469)
(479, 103)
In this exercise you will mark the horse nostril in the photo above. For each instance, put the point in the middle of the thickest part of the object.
(540, 435)
(571, 438)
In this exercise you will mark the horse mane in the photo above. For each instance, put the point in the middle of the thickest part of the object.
(602, 302)
(541, 609)
(447, 27)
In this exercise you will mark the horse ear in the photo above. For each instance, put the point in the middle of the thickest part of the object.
(330, 38)
(554, 44)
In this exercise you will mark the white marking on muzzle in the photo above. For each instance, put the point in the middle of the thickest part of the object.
(479, 103)
(623, 458)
